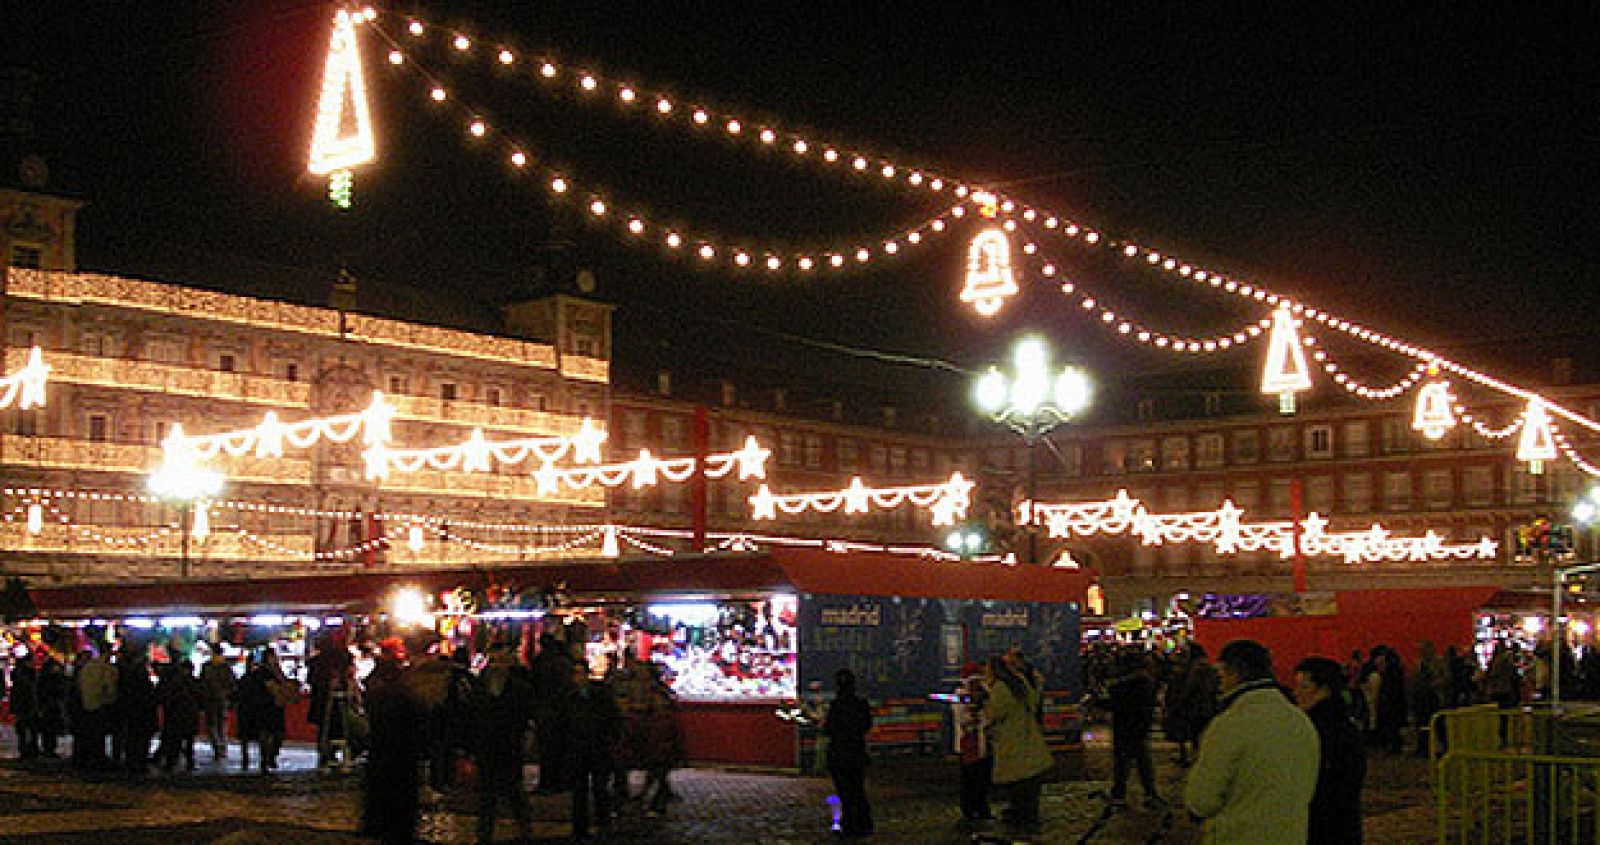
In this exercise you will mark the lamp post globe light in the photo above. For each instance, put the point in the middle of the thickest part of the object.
(186, 484)
(1032, 401)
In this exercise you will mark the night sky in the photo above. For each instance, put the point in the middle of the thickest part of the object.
(1428, 171)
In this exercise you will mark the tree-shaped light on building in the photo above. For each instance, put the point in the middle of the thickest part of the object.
(1286, 372)
(1537, 442)
(990, 280)
(25, 387)
(1435, 412)
(342, 136)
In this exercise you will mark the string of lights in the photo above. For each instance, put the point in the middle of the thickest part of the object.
(948, 500)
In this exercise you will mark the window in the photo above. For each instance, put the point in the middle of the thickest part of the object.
(1356, 443)
(813, 452)
(25, 424)
(674, 436)
(1175, 453)
(1209, 496)
(1396, 435)
(165, 351)
(849, 455)
(1397, 490)
(1208, 450)
(491, 396)
(1358, 492)
(897, 461)
(538, 401)
(1071, 458)
(1319, 441)
(633, 429)
(1280, 443)
(672, 498)
(1527, 485)
(95, 343)
(1278, 497)
(919, 461)
(1438, 488)
(226, 362)
(26, 257)
(1115, 457)
(398, 385)
(1320, 494)
(1142, 456)
(789, 449)
(447, 391)
(880, 458)
(99, 428)
(1247, 495)
(291, 371)
(1246, 446)
(1477, 486)
(1175, 498)
(22, 338)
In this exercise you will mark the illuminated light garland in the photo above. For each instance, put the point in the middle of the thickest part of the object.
(478, 454)
(1121, 325)
(1324, 360)
(1572, 454)
(636, 224)
(334, 153)
(25, 387)
(1484, 429)
(1286, 372)
(1536, 444)
(267, 439)
(948, 501)
(1226, 531)
(647, 470)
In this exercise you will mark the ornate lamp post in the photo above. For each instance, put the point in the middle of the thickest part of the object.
(190, 486)
(1031, 401)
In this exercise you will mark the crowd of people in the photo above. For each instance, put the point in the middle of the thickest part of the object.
(425, 724)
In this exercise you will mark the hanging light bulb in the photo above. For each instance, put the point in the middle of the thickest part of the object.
(35, 519)
(1537, 443)
(1286, 371)
(414, 538)
(1434, 415)
(201, 527)
(609, 547)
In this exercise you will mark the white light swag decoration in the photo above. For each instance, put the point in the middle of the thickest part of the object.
(1286, 371)
(647, 470)
(1537, 443)
(1225, 530)
(478, 453)
(947, 500)
(25, 387)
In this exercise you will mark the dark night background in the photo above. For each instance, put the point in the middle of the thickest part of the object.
(1428, 170)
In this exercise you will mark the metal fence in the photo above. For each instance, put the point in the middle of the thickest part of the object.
(1520, 775)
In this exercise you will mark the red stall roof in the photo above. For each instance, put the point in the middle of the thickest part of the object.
(798, 570)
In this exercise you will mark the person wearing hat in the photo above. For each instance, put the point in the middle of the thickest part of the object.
(972, 744)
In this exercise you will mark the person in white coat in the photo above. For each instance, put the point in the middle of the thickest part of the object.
(1257, 771)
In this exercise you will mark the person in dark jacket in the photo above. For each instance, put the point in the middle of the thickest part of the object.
(595, 726)
(178, 694)
(217, 687)
(25, 704)
(329, 674)
(390, 800)
(500, 707)
(848, 721)
(1335, 817)
(551, 675)
(51, 718)
(259, 715)
(137, 710)
(1131, 696)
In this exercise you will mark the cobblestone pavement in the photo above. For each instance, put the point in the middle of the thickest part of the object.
(913, 802)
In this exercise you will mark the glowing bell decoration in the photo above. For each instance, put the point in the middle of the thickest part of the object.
(1286, 371)
(1434, 414)
(1537, 443)
(990, 280)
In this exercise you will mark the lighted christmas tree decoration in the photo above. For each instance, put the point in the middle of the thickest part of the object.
(1286, 371)
(1537, 443)
(1435, 412)
(990, 280)
(342, 137)
(25, 387)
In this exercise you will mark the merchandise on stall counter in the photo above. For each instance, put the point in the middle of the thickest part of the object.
(727, 650)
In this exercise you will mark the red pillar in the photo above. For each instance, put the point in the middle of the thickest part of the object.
(697, 490)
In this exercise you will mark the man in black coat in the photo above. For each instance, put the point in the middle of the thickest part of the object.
(594, 722)
(391, 804)
(1131, 698)
(500, 707)
(1335, 817)
(848, 721)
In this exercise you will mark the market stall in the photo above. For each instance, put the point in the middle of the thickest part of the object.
(741, 635)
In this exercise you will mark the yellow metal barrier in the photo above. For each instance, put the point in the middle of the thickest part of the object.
(1513, 776)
